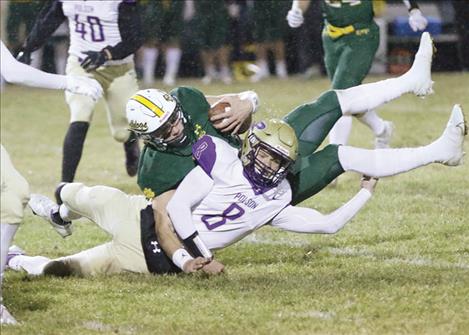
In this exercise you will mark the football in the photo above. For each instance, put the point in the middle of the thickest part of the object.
(220, 107)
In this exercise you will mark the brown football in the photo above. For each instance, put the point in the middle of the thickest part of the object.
(219, 107)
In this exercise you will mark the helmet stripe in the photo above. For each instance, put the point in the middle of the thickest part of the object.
(148, 104)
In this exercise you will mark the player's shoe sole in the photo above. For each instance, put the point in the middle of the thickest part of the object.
(451, 141)
(420, 72)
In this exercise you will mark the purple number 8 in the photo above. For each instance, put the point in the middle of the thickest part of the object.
(233, 212)
(94, 21)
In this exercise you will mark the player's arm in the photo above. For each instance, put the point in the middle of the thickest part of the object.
(295, 14)
(132, 38)
(48, 20)
(417, 21)
(192, 190)
(168, 239)
(307, 220)
(18, 73)
(242, 106)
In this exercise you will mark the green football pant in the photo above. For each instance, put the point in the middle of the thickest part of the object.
(314, 170)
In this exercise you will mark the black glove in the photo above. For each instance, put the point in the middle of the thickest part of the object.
(24, 56)
(94, 60)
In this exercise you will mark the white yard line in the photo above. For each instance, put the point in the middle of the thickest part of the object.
(357, 252)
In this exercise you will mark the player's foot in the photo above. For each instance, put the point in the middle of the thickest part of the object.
(14, 251)
(206, 80)
(5, 317)
(450, 144)
(261, 75)
(169, 80)
(382, 140)
(47, 209)
(132, 155)
(420, 73)
(57, 268)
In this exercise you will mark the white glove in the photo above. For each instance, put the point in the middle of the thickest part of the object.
(295, 17)
(416, 20)
(85, 86)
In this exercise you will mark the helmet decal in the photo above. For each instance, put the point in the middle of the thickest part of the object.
(148, 104)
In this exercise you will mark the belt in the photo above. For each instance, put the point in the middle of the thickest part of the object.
(336, 32)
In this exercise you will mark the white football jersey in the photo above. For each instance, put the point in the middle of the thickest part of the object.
(234, 207)
(93, 25)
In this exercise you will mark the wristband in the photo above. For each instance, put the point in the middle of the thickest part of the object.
(253, 99)
(181, 257)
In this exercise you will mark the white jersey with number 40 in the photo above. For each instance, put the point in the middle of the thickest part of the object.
(93, 25)
(234, 207)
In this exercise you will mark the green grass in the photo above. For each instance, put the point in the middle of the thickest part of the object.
(402, 265)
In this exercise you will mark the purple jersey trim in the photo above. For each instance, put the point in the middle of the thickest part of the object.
(204, 153)
(257, 189)
(129, 1)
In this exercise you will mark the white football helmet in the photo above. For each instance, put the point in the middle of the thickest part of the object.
(151, 113)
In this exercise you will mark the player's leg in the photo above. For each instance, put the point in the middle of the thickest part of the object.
(81, 112)
(314, 172)
(118, 93)
(14, 196)
(97, 260)
(447, 150)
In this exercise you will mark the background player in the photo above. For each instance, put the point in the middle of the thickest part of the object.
(103, 37)
(350, 40)
(15, 189)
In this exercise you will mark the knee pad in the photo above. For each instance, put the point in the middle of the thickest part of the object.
(120, 135)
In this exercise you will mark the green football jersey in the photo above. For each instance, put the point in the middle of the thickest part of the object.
(160, 171)
(342, 13)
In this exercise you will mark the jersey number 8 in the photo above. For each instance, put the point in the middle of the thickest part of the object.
(96, 28)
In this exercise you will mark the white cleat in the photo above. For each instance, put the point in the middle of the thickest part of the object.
(169, 80)
(47, 209)
(383, 140)
(5, 317)
(420, 72)
(452, 141)
(14, 251)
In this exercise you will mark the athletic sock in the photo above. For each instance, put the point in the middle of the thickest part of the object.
(386, 162)
(149, 58)
(72, 149)
(340, 133)
(373, 121)
(173, 57)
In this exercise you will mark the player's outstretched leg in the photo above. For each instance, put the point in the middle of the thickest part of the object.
(48, 210)
(362, 98)
(447, 150)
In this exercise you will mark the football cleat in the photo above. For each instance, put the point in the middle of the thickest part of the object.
(420, 72)
(382, 140)
(169, 80)
(451, 142)
(5, 317)
(47, 209)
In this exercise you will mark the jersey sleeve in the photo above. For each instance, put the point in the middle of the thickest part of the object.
(213, 155)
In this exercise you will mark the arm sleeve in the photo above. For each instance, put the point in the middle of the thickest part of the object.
(130, 29)
(18, 73)
(192, 190)
(307, 220)
(48, 20)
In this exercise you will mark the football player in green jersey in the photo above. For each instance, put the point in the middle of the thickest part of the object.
(350, 39)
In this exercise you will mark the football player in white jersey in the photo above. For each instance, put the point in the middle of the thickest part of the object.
(103, 38)
(15, 189)
(220, 201)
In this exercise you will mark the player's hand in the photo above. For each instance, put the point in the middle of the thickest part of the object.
(93, 60)
(24, 56)
(368, 183)
(416, 20)
(214, 267)
(295, 17)
(195, 264)
(235, 116)
(85, 86)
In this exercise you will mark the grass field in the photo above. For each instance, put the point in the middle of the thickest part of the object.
(401, 266)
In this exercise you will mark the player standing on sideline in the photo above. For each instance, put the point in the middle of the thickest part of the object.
(103, 37)
(222, 200)
(162, 22)
(350, 39)
(15, 189)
